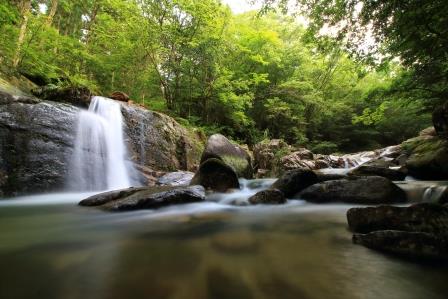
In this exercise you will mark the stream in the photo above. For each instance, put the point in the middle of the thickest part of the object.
(52, 248)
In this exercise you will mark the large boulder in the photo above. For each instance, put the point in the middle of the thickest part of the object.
(159, 142)
(145, 198)
(359, 190)
(427, 157)
(37, 139)
(414, 245)
(367, 170)
(295, 181)
(36, 142)
(219, 147)
(425, 217)
(419, 231)
(216, 175)
(269, 196)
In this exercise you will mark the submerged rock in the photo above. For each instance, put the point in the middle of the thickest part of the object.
(425, 217)
(145, 198)
(269, 196)
(216, 175)
(178, 178)
(415, 245)
(360, 190)
(295, 181)
(418, 231)
(219, 147)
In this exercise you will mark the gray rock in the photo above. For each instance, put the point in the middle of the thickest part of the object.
(158, 142)
(295, 181)
(178, 178)
(145, 198)
(415, 245)
(270, 196)
(424, 217)
(37, 138)
(360, 190)
(216, 175)
(36, 141)
(219, 147)
(367, 170)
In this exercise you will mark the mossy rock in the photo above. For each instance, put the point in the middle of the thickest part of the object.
(219, 147)
(428, 157)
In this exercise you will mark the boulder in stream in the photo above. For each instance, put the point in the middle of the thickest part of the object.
(368, 170)
(216, 175)
(269, 196)
(295, 181)
(145, 198)
(419, 231)
(360, 190)
(424, 217)
(414, 245)
(219, 147)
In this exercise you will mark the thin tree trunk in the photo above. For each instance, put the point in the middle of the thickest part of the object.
(26, 9)
(54, 7)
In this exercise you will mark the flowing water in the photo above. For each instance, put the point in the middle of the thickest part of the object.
(99, 157)
(52, 248)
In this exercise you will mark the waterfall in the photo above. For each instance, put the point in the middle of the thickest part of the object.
(98, 161)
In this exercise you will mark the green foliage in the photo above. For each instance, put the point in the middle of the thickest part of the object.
(244, 76)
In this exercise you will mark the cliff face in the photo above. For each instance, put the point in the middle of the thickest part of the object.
(36, 143)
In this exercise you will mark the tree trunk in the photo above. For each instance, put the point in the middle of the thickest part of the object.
(25, 11)
(52, 12)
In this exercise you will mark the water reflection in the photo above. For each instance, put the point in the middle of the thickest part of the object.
(294, 251)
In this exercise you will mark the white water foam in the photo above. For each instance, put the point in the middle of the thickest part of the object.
(98, 161)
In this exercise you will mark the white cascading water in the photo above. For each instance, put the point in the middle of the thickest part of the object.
(98, 161)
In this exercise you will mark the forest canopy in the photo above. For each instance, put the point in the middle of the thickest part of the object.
(249, 76)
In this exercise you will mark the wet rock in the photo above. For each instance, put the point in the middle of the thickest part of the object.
(219, 147)
(360, 190)
(424, 217)
(145, 198)
(178, 178)
(416, 245)
(295, 181)
(323, 176)
(158, 142)
(36, 141)
(78, 96)
(216, 175)
(119, 96)
(367, 170)
(269, 196)
(37, 138)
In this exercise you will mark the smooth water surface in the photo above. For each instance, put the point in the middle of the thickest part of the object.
(206, 250)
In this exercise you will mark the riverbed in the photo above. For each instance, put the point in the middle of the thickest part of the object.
(52, 248)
